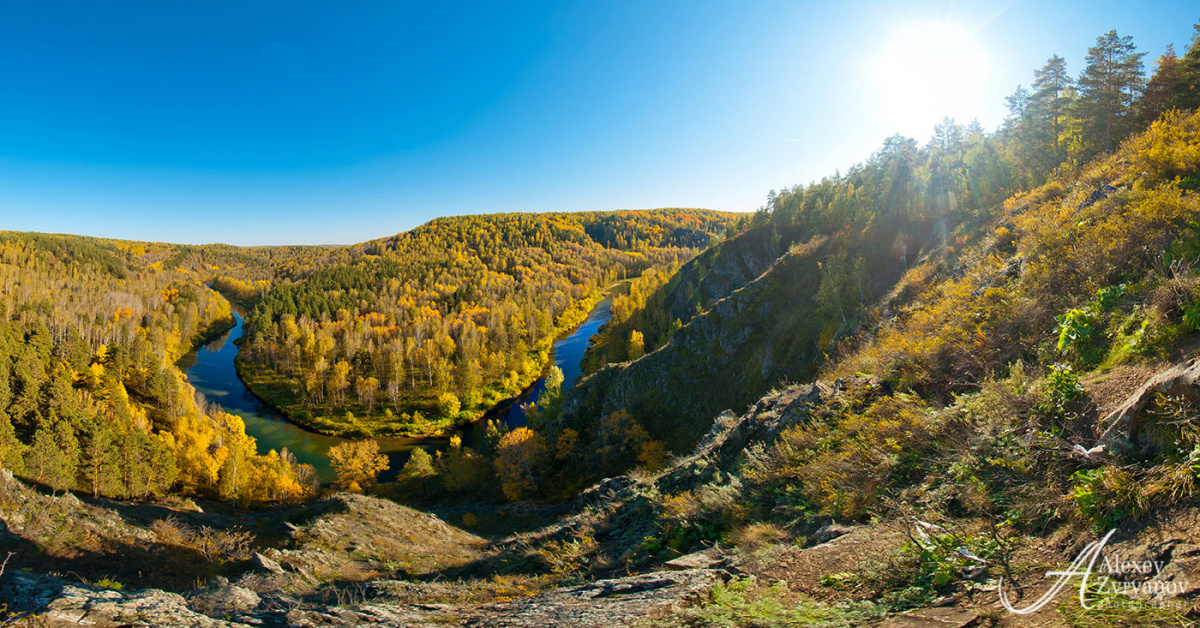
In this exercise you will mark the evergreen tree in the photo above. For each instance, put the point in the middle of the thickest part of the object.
(1186, 92)
(12, 452)
(53, 459)
(164, 468)
(100, 456)
(1109, 88)
(1049, 104)
(419, 467)
(1160, 91)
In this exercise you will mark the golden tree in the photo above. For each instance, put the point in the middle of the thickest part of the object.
(357, 463)
(517, 458)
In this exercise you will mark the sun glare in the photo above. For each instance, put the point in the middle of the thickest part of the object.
(926, 71)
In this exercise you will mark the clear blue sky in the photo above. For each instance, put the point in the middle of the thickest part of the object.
(307, 122)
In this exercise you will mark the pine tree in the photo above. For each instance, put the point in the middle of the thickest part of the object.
(1109, 88)
(1049, 104)
(1160, 91)
(12, 452)
(100, 456)
(419, 467)
(53, 459)
(1186, 91)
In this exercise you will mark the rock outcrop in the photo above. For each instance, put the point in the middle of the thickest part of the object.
(616, 602)
(1180, 379)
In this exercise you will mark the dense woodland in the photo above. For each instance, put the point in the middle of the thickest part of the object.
(90, 398)
(415, 333)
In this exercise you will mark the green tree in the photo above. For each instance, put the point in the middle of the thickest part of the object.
(53, 459)
(100, 456)
(419, 467)
(12, 452)
(1109, 88)
(459, 467)
(1049, 104)
(1159, 95)
(1185, 93)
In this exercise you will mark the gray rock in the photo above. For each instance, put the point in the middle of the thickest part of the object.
(1178, 379)
(619, 602)
(225, 601)
(931, 618)
(265, 564)
(707, 559)
(1184, 574)
(60, 605)
(829, 532)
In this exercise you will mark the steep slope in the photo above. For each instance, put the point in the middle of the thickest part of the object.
(758, 321)
(698, 284)
(763, 333)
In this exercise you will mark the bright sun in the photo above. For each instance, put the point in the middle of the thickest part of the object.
(927, 71)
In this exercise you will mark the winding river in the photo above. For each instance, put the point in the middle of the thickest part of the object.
(211, 370)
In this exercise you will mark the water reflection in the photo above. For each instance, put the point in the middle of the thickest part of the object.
(211, 370)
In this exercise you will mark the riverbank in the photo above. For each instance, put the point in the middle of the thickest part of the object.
(421, 417)
(211, 369)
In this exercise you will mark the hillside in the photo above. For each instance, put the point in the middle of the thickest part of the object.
(416, 333)
(894, 397)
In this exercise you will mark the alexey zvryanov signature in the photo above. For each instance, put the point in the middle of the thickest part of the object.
(1084, 566)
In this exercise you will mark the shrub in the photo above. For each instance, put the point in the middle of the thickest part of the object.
(568, 558)
(1105, 496)
(746, 602)
(1080, 333)
(862, 456)
(1062, 387)
(757, 535)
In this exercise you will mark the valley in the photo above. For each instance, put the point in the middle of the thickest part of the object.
(212, 370)
(907, 394)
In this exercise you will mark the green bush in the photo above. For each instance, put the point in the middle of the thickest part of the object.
(1062, 387)
(1080, 333)
(1105, 496)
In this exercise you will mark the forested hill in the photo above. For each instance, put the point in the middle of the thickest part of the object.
(826, 265)
(90, 397)
(413, 333)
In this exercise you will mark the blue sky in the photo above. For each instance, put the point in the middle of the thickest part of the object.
(274, 123)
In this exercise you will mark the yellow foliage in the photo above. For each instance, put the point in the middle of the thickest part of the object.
(357, 463)
(517, 458)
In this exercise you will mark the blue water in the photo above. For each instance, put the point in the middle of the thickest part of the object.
(568, 356)
(211, 370)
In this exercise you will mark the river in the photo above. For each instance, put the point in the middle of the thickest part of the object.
(211, 370)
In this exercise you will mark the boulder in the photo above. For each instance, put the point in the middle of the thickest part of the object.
(57, 604)
(224, 601)
(263, 563)
(620, 602)
(931, 618)
(827, 533)
(707, 559)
